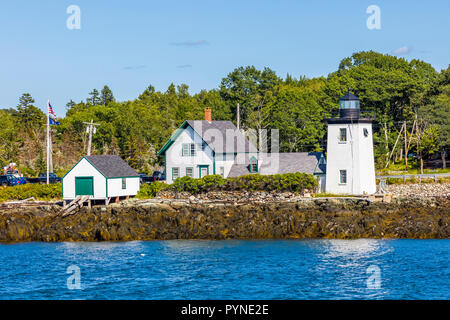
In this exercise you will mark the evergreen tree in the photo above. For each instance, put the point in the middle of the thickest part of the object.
(70, 104)
(27, 113)
(106, 96)
(94, 98)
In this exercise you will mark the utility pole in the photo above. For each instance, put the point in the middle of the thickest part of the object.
(91, 129)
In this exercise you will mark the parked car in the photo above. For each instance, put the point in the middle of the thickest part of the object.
(42, 178)
(145, 178)
(158, 176)
(11, 180)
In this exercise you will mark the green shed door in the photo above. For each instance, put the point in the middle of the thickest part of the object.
(84, 186)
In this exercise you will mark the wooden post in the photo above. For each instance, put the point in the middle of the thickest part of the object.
(399, 134)
(117, 199)
(406, 148)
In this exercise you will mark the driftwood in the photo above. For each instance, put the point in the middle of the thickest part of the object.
(73, 206)
(29, 202)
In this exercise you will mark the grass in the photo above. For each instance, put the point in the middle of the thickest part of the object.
(416, 180)
(398, 168)
(329, 195)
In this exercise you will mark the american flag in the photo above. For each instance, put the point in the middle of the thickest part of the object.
(50, 110)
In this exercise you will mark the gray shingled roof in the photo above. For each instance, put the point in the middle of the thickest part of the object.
(279, 163)
(112, 166)
(222, 136)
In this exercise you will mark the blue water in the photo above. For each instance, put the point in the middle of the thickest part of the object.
(180, 269)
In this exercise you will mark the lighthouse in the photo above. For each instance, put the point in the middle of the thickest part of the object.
(350, 161)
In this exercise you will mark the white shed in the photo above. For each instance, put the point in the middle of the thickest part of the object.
(101, 177)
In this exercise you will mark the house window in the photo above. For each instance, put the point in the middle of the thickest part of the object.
(185, 150)
(188, 149)
(343, 176)
(175, 173)
(253, 166)
(124, 183)
(343, 134)
(190, 172)
(222, 171)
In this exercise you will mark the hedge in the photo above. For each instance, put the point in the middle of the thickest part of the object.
(294, 182)
(25, 191)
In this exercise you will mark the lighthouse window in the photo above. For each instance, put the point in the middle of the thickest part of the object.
(366, 132)
(343, 176)
(343, 134)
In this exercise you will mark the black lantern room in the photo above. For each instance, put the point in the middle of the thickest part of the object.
(349, 106)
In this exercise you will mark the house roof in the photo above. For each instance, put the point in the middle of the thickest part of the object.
(221, 136)
(111, 166)
(279, 163)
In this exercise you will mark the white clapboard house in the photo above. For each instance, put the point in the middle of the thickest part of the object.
(101, 177)
(204, 147)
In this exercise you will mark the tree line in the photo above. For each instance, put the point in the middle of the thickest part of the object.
(407, 97)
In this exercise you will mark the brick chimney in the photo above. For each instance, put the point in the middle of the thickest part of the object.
(208, 114)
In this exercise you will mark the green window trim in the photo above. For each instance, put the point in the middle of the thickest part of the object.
(200, 167)
(124, 183)
(253, 165)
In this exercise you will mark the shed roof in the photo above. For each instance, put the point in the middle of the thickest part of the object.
(280, 163)
(112, 166)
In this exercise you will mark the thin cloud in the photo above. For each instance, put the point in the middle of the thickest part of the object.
(402, 51)
(194, 43)
(183, 66)
(135, 67)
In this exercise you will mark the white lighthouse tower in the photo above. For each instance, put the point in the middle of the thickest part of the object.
(350, 161)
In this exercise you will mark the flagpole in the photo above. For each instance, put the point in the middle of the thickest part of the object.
(48, 141)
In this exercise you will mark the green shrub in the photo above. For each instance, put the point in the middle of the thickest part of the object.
(25, 191)
(213, 182)
(188, 184)
(149, 190)
(294, 182)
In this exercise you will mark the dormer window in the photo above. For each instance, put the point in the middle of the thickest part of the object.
(253, 166)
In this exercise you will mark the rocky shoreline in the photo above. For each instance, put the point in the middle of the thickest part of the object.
(193, 218)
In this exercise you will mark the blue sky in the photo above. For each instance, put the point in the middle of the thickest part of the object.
(131, 44)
